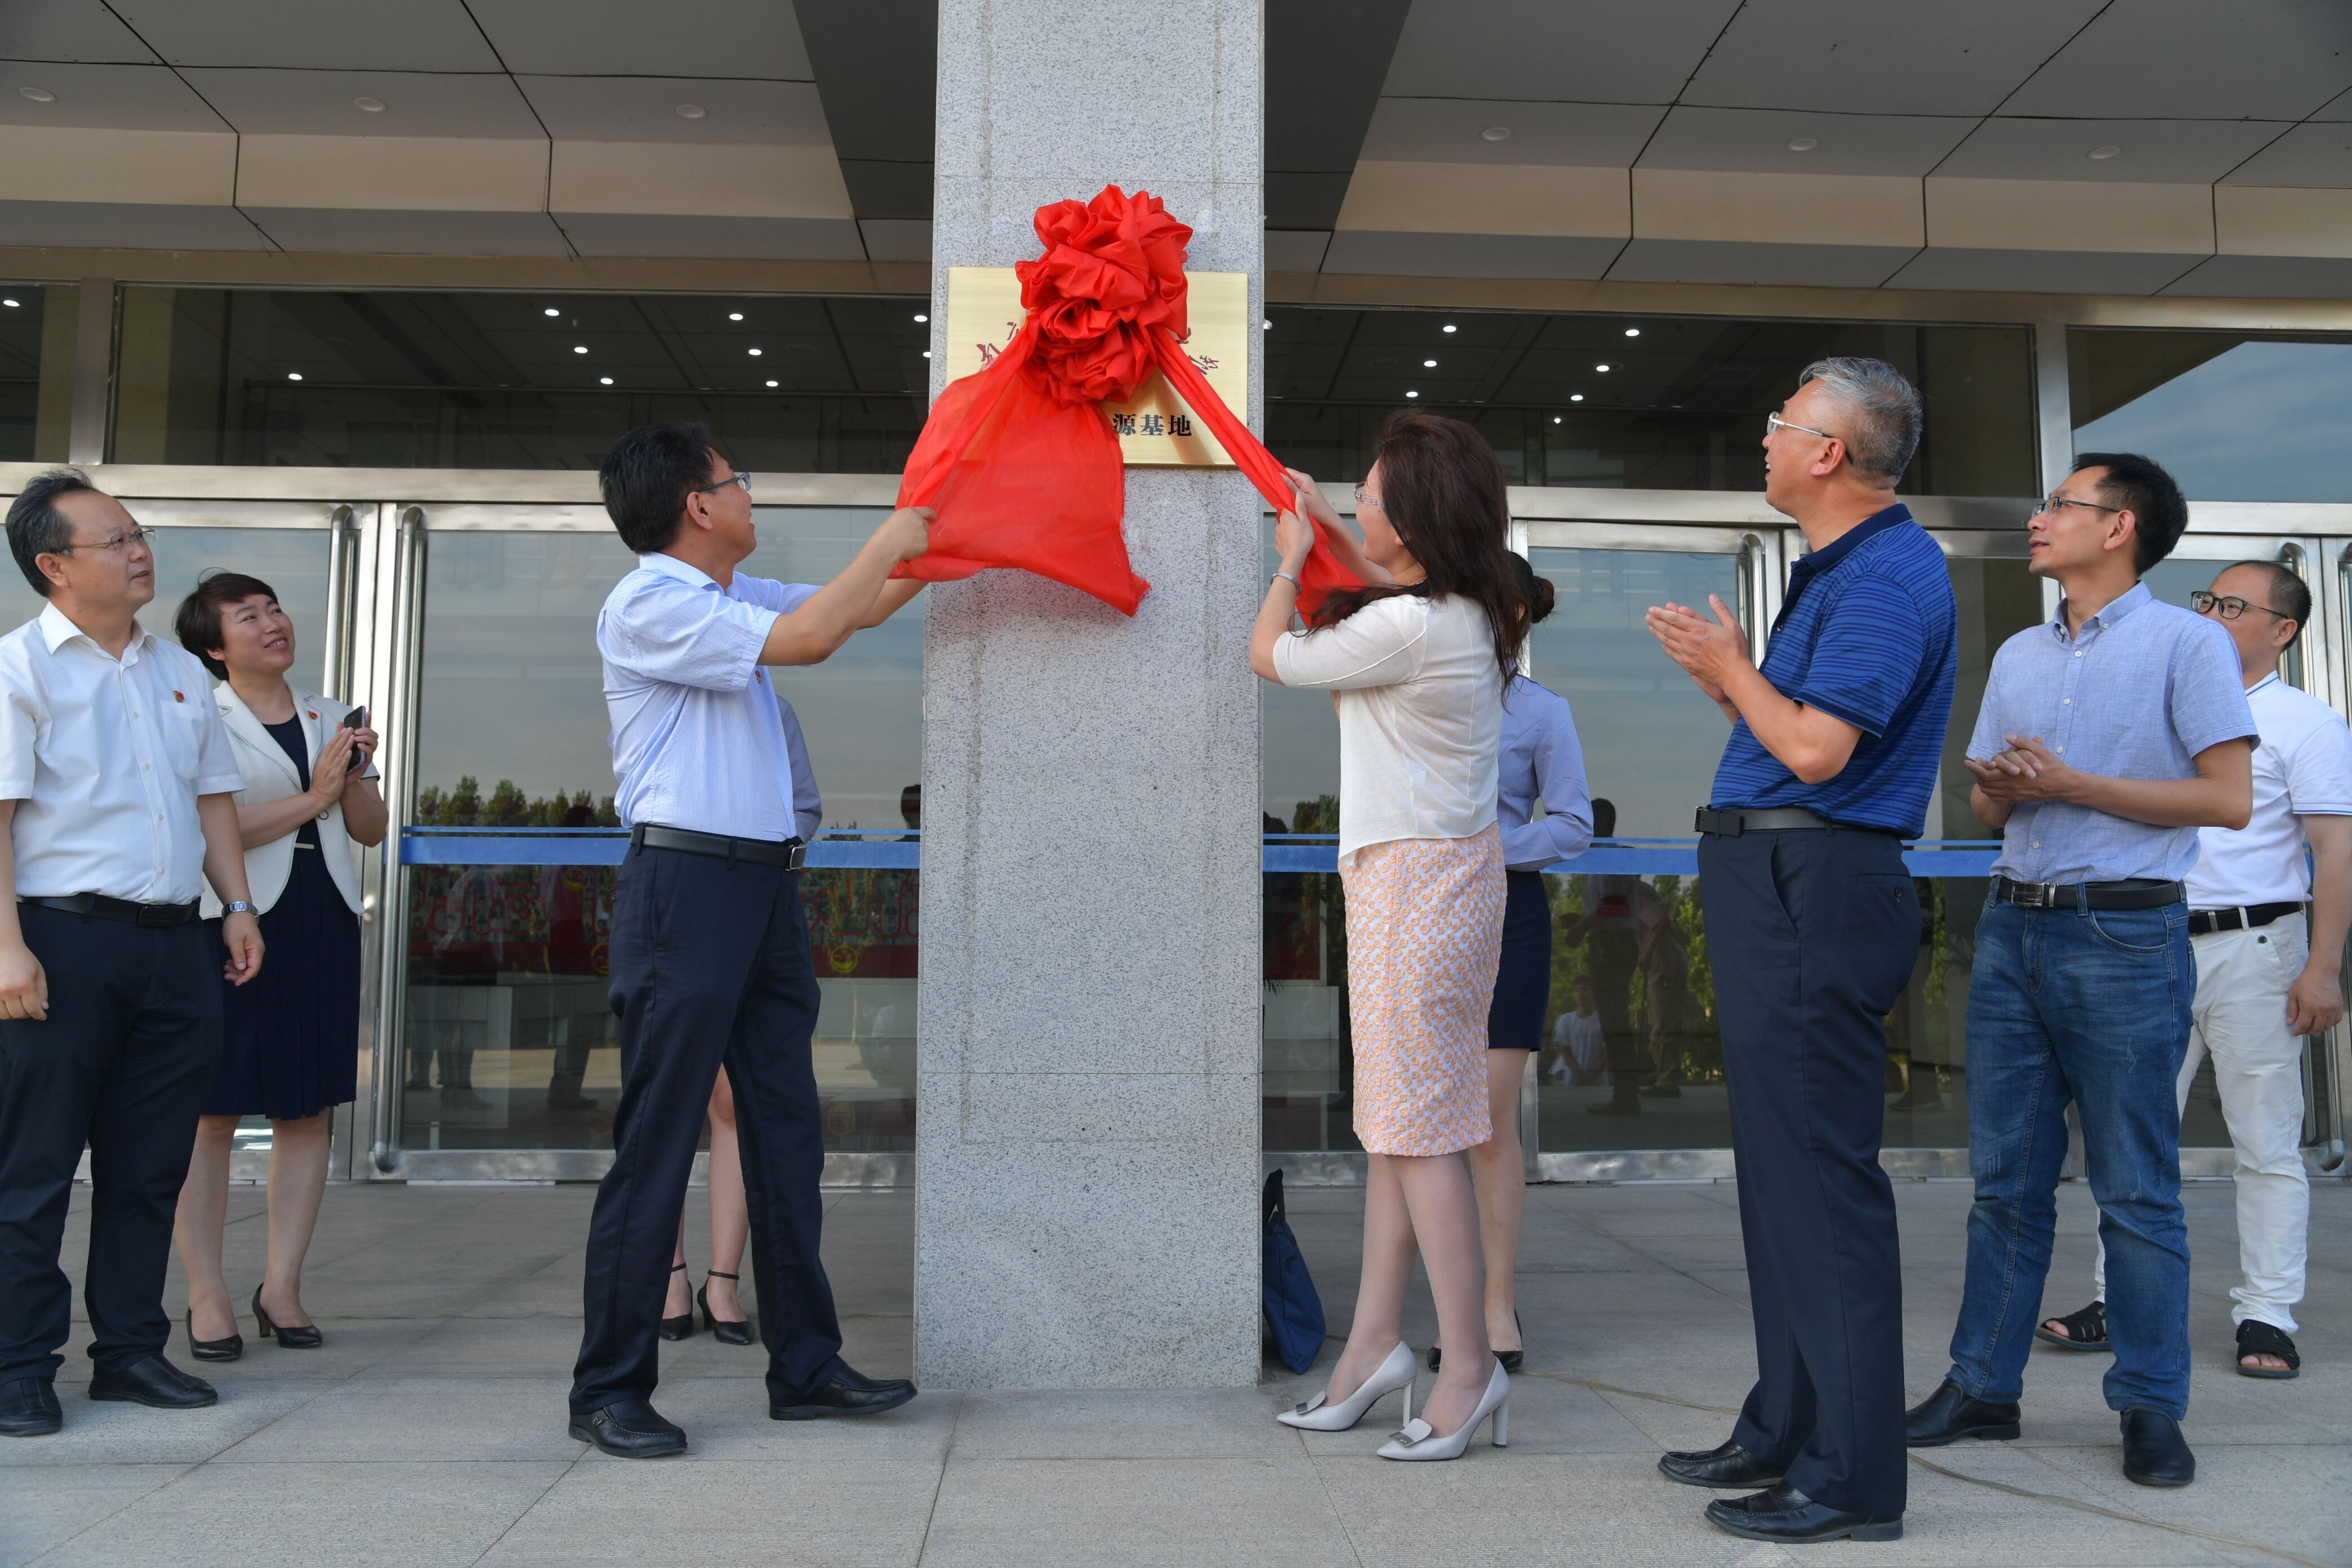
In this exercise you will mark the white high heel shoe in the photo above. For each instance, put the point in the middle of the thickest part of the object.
(1320, 1415)
(1419, 1441)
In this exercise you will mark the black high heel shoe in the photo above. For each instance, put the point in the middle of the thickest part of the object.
(1510, 1359)
(305, 1338)
(726, 1331)
(677, 1328)
(228, 1349)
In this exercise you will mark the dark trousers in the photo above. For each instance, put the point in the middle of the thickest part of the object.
(1812, 936)
(710, 967)
(121, 1064)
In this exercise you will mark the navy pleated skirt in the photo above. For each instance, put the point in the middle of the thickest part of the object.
(1523, 984)
(290, 1035)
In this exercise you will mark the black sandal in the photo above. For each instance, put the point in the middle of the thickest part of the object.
(677, 1328)
(726, 1331)
(2258, 1338)
(2086, 1329)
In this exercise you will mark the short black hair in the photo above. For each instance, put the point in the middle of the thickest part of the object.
(35, 526)
(2147, 492)
(197, 622)
(2290, 596)
(646, 476)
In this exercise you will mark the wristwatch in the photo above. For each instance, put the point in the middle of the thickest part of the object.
(237, 907)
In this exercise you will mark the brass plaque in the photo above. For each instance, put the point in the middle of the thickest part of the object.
(1155, 428)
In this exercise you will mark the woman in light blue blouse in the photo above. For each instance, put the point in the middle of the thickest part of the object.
(1546, 814)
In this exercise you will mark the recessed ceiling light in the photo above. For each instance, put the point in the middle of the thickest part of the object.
(1447, 327)
(580, 348)
(1555, 418)
(754, 353)
(551, 310)
(293, 375)
(1412, 394)
(603, 381)
(734, 315)
(368, 105)
(771, 384)
(1633, 332)
(1266, 325)
(1804, 144)
(927, 353)
(10, 303)
(1495, 133)
(691, 111)
(1601, 368)
(1576, 397)
(2103, 154)
(38, 94)
(922, 318)
(1429, 364)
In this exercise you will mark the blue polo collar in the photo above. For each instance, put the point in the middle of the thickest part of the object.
(1805, 568)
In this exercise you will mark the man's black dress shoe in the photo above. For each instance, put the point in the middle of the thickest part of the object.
(154, 1383)
(1949, 1415)
(1786, 1514)
(2155, 1453)
(631, 1429)
(848, 1393)
(28, 1409)
(1729, 1465)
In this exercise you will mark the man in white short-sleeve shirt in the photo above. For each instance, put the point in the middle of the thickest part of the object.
(116, 802)
(2261, 985)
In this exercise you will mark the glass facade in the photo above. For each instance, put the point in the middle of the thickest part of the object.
(401, 379)
(2231, 416)
(1624, 402)
(37, 353)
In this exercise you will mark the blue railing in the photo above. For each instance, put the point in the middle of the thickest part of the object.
(900, 850)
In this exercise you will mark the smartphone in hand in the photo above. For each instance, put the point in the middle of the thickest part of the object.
(357, 720)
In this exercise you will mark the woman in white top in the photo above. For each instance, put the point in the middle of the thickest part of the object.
(290, 1039)
(1416, 662)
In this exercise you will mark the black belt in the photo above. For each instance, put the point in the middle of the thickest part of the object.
(126, 910)
(1775, 819)
(2204, 923)
(790, 855)
(2140, 893)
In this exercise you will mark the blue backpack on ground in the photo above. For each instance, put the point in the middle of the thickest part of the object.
(1294, 1312)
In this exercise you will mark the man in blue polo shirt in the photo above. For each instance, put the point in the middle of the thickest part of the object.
(2109, 737)
(1813, 928)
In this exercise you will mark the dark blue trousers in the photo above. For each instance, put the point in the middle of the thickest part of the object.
(1811, 936)
(710, 967)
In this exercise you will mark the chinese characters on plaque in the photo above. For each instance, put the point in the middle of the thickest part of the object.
(1154, 427)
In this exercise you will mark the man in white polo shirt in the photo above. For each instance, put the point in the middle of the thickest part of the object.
(2261, 985)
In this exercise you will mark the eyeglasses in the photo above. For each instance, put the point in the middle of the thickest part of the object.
(2055, 505)
(2231, 608)
(740, 481)
(1774, 424)
(1366, 498)
(116, 546)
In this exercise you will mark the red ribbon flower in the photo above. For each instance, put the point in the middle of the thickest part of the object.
(1019, 463)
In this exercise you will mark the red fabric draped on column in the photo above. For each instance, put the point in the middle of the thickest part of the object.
(1019, 463)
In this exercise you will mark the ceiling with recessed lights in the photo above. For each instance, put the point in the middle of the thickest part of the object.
(2091, 146)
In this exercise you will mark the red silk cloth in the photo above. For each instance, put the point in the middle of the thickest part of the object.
(1018, 462)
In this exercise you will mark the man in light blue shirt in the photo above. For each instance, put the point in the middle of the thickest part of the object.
(710, 947)
(2108, 738)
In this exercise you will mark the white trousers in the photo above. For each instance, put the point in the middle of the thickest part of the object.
(2239, 1020)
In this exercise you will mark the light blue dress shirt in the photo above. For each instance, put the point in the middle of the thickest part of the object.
(698, 739)
(1541, 761)
(2136, 694)
(808, 805)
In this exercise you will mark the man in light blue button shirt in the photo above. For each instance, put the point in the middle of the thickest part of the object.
(2108, 738)
(709, 948)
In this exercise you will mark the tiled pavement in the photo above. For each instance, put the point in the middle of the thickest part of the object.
(430, 1429)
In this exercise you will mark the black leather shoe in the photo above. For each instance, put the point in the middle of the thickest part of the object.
(28, 1409)
(1729, 1465)
(1949, 1415)
(154, 1383)
(228, 1349)
(849, 1394)
(2155, 1453)
(292, 1336)
(631, 1429)
(1786, 1514)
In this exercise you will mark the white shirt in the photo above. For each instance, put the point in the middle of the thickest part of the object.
(2302, 767)
(105, 759)
(1583, 1037)
(1421, 716)
(696, 740)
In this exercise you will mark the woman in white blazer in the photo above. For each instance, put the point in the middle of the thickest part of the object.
(289, 1042)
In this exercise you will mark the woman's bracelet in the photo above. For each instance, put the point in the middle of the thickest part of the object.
(1286, 577)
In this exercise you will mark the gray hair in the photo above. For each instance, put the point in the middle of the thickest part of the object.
(1886, 410)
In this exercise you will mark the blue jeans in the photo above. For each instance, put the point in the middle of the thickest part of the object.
(2092, 1008)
